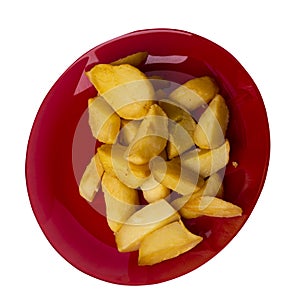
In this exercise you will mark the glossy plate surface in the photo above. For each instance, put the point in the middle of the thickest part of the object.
(61, 145)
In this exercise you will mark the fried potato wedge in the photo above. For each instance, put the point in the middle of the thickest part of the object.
(157, 193)
(166, 243)
(90, 180)
(103, 120)
(195, 92)
(120, 201)
(151, 137)
(153, 190)
(207, 161)
(212, 187)
(181, 128)
(126, 89)
(212, 125)
(209, 206)
(128, 131)
(143, 222)
(174, 176)
(135, 59)
(114, 162)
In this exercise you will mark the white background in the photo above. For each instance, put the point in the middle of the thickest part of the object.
(40, 39)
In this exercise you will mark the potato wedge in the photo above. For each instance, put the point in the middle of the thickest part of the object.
(151, 138)
(90, 180)
(154, 191)
(128, 131)
(209, 206)
(181, 128)
(121, 201)
(135, 59)
(155, 194)
(103, 121)
(118, 190)
(126, 89)
(212, 187)
(174, 176)
(195, 92)
(143, 222)
(114, 162)
(166, 243)
(207, 161)
(212, 125)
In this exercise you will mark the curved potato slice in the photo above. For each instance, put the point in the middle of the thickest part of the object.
(126, 89)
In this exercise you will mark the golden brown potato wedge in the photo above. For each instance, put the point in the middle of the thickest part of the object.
(128, 131)
(195, 92)
(103, 121)
(207, 162)
(90, 180)
(181, 128)
(212, 187)
(167, 242)
(126, 89)
(174, 176)
(157, 193)
(154, 191)
(104, 156)
(121, 201)
(135, 59)
(212, 125)
(114, 162)
(151, 137)
(209, 206)
(143, 222)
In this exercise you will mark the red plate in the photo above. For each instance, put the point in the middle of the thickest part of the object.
(61, 145)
